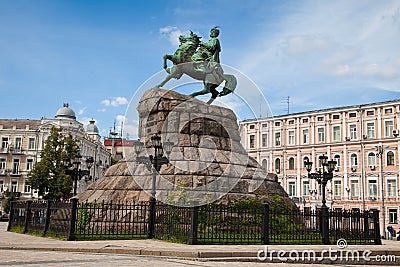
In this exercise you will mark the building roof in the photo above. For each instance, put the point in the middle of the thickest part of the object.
(19, 124)
(65, 112)
(119, 142)
(327, 110)
(92, 128)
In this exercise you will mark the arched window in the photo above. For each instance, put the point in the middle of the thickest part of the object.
(277, 164)
(305, 159)
(291, 163)
(337, 159)
(390, 158)
(353, 160)
(371, 159)
(264, 165)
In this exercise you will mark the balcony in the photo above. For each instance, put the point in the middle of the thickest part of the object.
(16, 194)
(4, 149)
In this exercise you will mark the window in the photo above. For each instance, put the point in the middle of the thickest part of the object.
(391, 188)
(14, 186)
(305, 120)
(18, 143)
(353, 131)
(252, 140)
(336, 116)
(337, 159)
(252, 127)
(370, 113)
(277, 164)
(264, 125)
(291, 137)
(278, 123)
(353, 160)
(320, 118)
(15, 169)
(291, 163)
(306, 188)
(292, 189)
(306, 136)
(291, 122)
(388, 128)
(371, 130)
(390, 158)
(354, 190)
(264, 140)
(393, 216)
(373, 188)
(321, 135)
(337, 188)
(27, 188)
(2, 163)
(31, 143)
(29, 164)
(305, 159)
(371, 159)
(264, 165)
(336, 133)
(352, 115)
(388, 110)
(277, 139)
(4, 142)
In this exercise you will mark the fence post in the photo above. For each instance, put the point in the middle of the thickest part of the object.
(152, 218)
(377, 233)
(27, 215)
(11, 217)
(47, 222)
(265, 224)
(72, 223)
(194, 224)
(366, 225)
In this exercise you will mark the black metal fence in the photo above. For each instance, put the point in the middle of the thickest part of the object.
(209, 224)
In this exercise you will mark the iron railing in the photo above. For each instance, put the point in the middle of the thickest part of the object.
(208, 224)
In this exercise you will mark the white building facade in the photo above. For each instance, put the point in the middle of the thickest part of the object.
(353, 136)
(23, 140)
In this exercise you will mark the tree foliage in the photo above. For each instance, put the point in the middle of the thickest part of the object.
(48, 175)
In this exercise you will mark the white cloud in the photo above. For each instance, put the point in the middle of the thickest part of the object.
(82, 110)
(172, 34)
(319, 48)
(115, 101)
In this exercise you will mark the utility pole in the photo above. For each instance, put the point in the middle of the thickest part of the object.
(287, 101)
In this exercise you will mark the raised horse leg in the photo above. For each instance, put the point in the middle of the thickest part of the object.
(206, 90)
(169, 77)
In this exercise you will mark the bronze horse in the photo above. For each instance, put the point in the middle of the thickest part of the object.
(193, 60)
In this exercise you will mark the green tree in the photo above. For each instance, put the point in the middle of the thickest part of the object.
(48, 175)
(7, 206)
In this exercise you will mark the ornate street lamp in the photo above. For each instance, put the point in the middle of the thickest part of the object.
(154, 164)
(322, 177)
(77, 173)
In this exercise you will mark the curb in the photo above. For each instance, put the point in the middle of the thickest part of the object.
(232, 256)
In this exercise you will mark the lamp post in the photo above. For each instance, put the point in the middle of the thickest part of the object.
(77, 173)
(154, 164)
(322, 177)
(380, 155)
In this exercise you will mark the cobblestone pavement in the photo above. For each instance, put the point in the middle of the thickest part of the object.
(33, 258)
(26, 250)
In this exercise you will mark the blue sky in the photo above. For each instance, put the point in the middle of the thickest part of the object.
(96, 54)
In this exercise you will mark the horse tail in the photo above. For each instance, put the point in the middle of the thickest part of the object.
(230, 84)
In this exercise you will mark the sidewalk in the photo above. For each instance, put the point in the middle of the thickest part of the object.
(14, 241)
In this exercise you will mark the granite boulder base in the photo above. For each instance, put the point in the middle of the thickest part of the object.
(207, 163)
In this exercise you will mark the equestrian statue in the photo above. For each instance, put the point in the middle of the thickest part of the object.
(200, 60)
